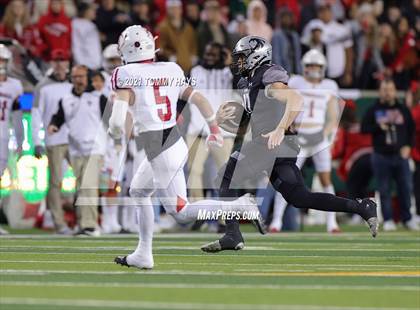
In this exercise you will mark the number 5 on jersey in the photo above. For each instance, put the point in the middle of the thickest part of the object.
(164, 105)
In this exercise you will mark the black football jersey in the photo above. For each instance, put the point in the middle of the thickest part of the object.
(262, 113)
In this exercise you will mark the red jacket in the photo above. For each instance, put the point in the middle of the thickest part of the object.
(415, 153)
(55, 30)
(30, 38)
(350, 145)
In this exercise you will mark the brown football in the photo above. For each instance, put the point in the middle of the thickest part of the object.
(231, 125)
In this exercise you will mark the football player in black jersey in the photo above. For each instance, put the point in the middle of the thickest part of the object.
(270, 108)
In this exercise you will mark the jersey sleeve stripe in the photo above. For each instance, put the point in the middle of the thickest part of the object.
(114, 79)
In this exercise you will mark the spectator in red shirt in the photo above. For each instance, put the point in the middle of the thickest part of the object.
(16, 25)
(55, 29)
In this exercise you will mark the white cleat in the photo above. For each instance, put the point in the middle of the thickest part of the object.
(138, 261)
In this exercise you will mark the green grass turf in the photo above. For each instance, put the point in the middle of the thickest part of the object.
(308, 271)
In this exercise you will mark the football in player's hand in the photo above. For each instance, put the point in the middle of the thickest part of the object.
(229, 116)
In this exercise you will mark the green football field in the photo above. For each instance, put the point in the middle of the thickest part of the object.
(309, 271)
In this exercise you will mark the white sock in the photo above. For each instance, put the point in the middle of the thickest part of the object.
(279, 207)
(142, 257)
(105, 214)
(331, 216)
(113, 212)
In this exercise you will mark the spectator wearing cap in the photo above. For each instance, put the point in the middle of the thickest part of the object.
(82, 112)
(86, 43)
(55, 29)
(338, 42)
(286, 44)
(111, 22)
(47, 94)
(16, 25)
(312, 38)
(257, 20)
(212, 29)
(392, 129)
(177, 38)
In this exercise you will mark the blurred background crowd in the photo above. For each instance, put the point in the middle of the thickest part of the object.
(364, 41)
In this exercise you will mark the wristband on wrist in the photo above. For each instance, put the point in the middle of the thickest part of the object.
(211, 118)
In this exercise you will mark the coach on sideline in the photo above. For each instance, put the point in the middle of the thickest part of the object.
(82, 112)
(48, 93)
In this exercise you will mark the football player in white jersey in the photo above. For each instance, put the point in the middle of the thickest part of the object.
(150, 90)
(315, 126)
(10, 91)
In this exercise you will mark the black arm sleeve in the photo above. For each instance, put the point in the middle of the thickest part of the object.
(16, 105)
(58, 119)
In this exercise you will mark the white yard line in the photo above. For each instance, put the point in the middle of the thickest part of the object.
(305, 273)
(98, 303)
(189, 235)
(324, 266)
(248, 248)
(221, 256)
(210, 286)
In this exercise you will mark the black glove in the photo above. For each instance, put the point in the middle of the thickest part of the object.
(39, 151)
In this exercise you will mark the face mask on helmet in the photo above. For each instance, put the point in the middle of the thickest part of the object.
(3, 66)
(315, 72)
(238, 65)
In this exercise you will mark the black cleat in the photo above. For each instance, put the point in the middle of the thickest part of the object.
(227, 242)
(368, 211)
(121, 260)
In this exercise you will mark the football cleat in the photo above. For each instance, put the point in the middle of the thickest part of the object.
(368, 211)
(122, 260)
(259, 223)
(227, 242)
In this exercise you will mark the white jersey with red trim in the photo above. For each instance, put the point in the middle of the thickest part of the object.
(315, 104)
(157, 87)
(10, 90)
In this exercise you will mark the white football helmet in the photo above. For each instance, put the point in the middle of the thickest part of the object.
(5, 54)
(136, 44)
(314, 57)
(110, 56)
